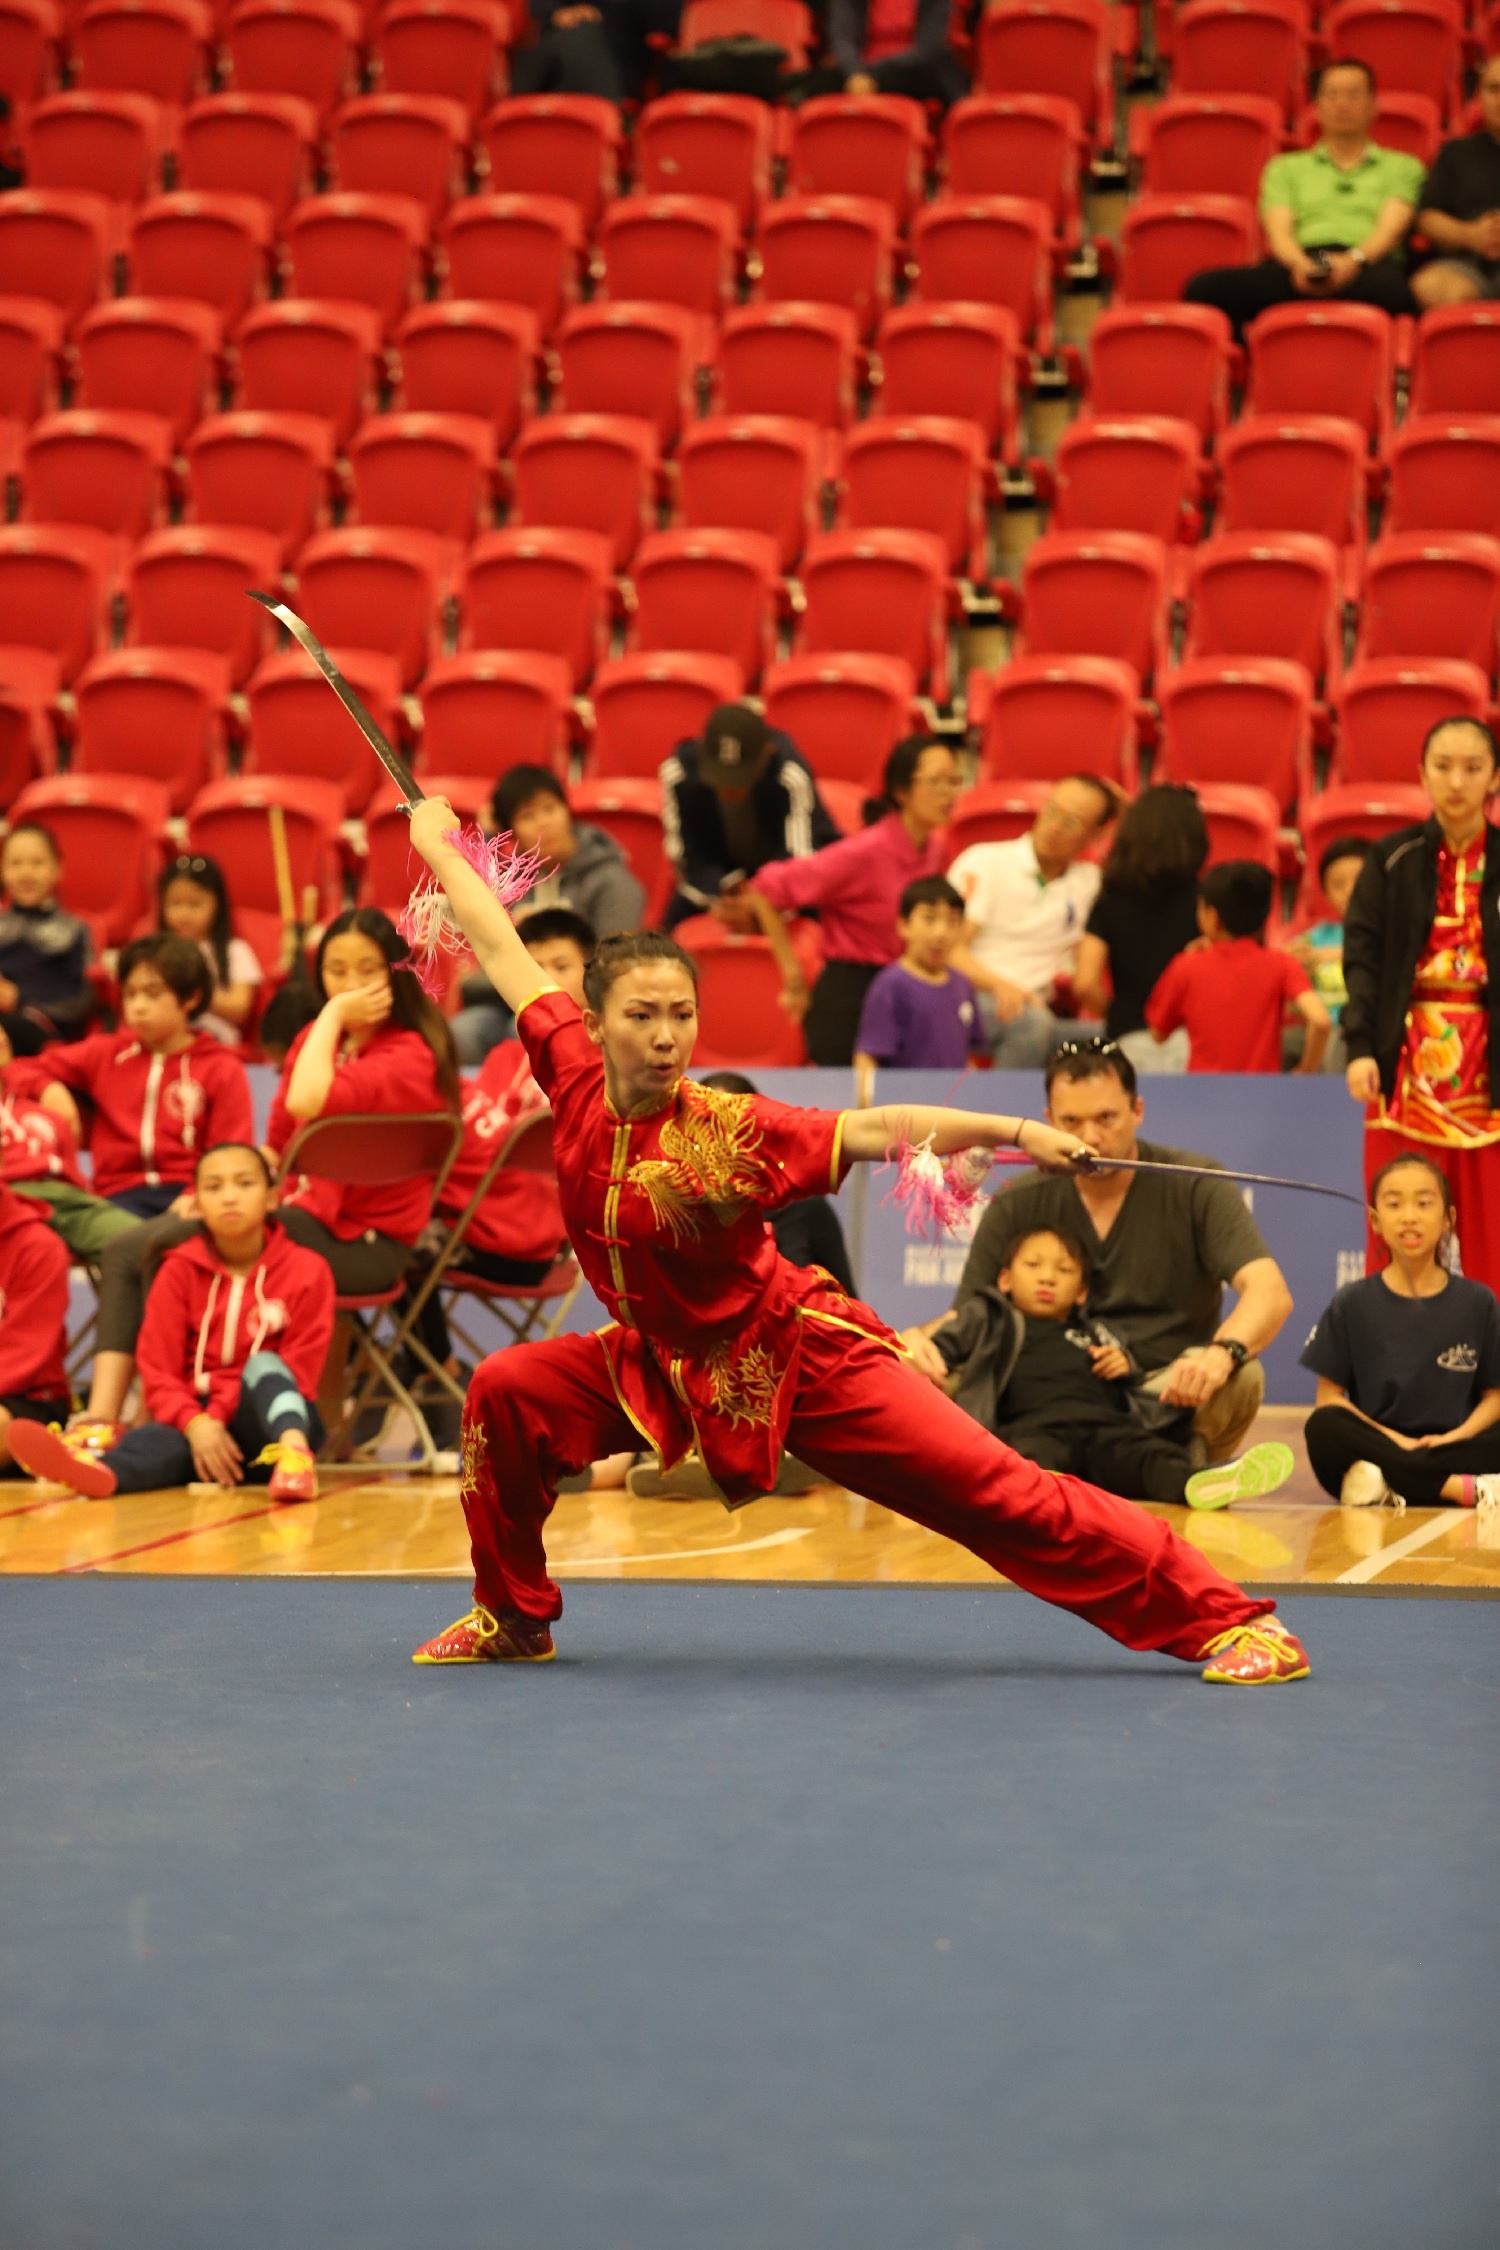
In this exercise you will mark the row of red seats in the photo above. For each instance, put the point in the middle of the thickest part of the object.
(1267, 47)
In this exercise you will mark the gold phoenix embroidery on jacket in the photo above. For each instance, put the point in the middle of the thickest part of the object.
(708, 1155)
(744, 1388)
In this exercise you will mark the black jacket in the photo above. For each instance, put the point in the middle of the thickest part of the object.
(791, 818)
(1387, 925)
(981, 1341)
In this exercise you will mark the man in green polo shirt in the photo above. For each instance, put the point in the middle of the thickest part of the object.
(1333, 216)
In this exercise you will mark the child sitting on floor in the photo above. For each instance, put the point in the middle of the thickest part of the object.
(237, 1327)
(33, 1320)
(192, 900)
(1408, 1364)
(1231, 989)
(39, 1159)
(920, 1013)
(44, 953)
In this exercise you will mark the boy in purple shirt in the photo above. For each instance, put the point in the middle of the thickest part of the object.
(919, 1014)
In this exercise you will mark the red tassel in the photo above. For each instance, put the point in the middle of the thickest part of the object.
(432, 935)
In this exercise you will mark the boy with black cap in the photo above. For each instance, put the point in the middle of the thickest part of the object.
(736, 798)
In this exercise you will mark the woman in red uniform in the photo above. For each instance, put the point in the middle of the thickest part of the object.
(717, 1343)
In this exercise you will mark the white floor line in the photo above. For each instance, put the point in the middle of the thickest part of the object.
(1370, 1566)
(561, 1565)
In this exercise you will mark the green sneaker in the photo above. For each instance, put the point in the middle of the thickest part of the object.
(1265, 1468)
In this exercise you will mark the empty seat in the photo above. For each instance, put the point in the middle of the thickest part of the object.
(1370, 809)
(303, 47)
(1386, 706)
(157, 713)
(1242, 47)
(1445, 474)
(796, 359)
(155, 47)
(28, 745)
(546, 589)
(109, 829)
(1166, 239)
(1209, 144)
(273, 472)
(494, 708)
(1243, 822)
(588, 472)
(845, 713)
(515, 250)
(186, 588)
(959, 360)
(30, 37)
(109, 470)
(228, 822)
(630, 811)
(109, 144)
(645, 705)
(708, 590)
(55, 244)
(919, 472)
(31, 343)
(1432, 593)
(828, 250)
(1324, 359)
(1135, 472)
(1457, 365)
(753, 472)
(1162, 359)
(462, 356)
(636, 359)
(860, 144)
(1294, 472)
(297, 727)
(1416, 45)
(214, 248)
(669, 250)
(160, 355)
(449, 47)
(249, 144)
(1239, 719)
(55, 584)
(432, 472)
(562, 146)
(1267, 594)
(1051, 716)
(707, 144)
(371, 587)
(1027, 145)
(880, 593)
(1096, 593)
(988, 250)
(1059, 47)
(367, 248)
(402, 144)
(308, 356)
(742, 1023)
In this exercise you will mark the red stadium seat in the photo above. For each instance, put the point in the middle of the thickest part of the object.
(159, 355)
(31, 345)
(1242, 47)
(213, 248)
(1445, 474)
(630, 812)
(515, 250)
(30, 38)
(109, 827)
(1413, 45)
(860, 144)
(55, 585)
(1243, 822)
(297, 727)
(186, 588)
(229, 821)
(546, 589)
(753, 472)
(155, 47)
(995, 812)
(454, 48)
(1027, 145)
(988, 250)
(369, 587)
(1051, 716)
(742, 1024)
(391, 866)
(366, 248)
(669, 250)
(495, 708)
(1386, 706)
(462, 356)
(1209, 144)
(1432, 593)
(157, 714)
(707, 144)
(635, 359)
(1162, 359)
(645, 705)
(402, 144)
(1457, 365)
(305, 355)
(780, 23)
(55, 244)
(565, 147)
(1136, 472)
(588, 472)
(109, 470)
(1324, 359)
(430, 472)
(249, 144)
(1356, 809)
(796, 360)
(714, 591)
(844, 713)
(880, 593)
(1294, 472)
(829, 250)
(1267, 594)
(1059, 47)
(109, 144)
(960, 360)
(1409, 122)
(273, 472)
(1240, 719)
(1096, 593)
(27, 744)
(1166, 239)
(303, 47)
(919, 472)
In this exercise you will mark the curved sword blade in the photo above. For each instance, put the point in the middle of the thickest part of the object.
(1195, 1172)
(395, 765)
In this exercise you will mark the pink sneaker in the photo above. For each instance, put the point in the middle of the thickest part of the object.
(482, 1638)
(46, 1451)
(1257, 1654)
(294, 1475)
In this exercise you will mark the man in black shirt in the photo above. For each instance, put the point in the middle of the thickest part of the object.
(741, 796)
(1459, 209)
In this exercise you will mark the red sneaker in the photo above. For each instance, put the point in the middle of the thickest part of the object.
(482, 1638)
(1258, 1654)
(294, 1475)
(43, 1450)
(91, 1433)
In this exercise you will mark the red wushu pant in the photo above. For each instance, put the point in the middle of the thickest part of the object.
(719, 1344)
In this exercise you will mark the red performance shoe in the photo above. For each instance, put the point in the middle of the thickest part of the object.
(48, 1452)
(294, 1475)
(482, 1638)
(1259, 1654)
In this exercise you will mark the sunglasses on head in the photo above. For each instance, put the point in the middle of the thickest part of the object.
(1089, 1047)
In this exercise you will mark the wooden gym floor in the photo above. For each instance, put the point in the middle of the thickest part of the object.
(380, 1523)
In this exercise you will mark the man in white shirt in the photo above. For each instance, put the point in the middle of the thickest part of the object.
(1025, 907)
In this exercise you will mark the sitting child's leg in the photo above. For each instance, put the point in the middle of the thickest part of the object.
(277, 1429)
(88, 1224)
(1137, 1463)
(1337, 1439)
(1042, 1442)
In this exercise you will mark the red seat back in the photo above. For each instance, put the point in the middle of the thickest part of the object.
(988, 250)
(1239, 719)
(109, 829)
(880, 593)
(1127, 473)
(1457, 369)
(311, 356)
(431, 472)
(1324, 359)
(544, 589)
(229, 820)
(1386, 707)
(455, 50)
(644, 705)
(488, 710)
(709, 590)
(157, 355)
(1096, 593)
(828, 250)
(1059, 47)
(669, 250)
(215, 248)
(364, 247)
(860, 144)
(635, 359)
(31, 341)
(155, 47)
(1416, 46)
(1051, 716)
(402, 144)
(186, 588)
(793, 359)
(462, 356)
(563, 146)
(379, 589)
(298, 729)
(108, 144)
(157, 714)
(588, 472)
(919, 472)
(55, 583)
(1210, 144)
(1267, 594)
(1355, 809)
(55, 244)
(707, 144)
(303, 47)
(1294, 472)
(844, 713)
(753, 472)
(249, 144)
(630, 812)
(515, 250)
(741, 1022)
(1166, 239)
(391, 867)
(1433, 593)
(961, 360)
(270, 471)
(1242, 47)
(1242, 823)
(1445, 474)
(108, 470)
(1027, 145)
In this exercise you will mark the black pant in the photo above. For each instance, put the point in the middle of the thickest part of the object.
(154, 1455)
(568, 59)
(1118, 1454)
(25, 1034)
(1336, 1439)
(1244, 291)
(23, 1409)
(832, 1018)
(361, 1268)
(148, 1201)
(486, 1265)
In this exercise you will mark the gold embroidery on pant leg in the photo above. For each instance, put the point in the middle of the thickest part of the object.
(743, 1387)
(472, 1460)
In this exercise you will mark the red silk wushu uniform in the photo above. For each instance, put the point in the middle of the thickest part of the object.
(717, 1341)
(203, 1323)
(154, 1115)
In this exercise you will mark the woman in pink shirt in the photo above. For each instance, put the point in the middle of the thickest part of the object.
(856, 886)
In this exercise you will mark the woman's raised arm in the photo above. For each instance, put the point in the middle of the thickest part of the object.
(479, 914)
(870, 1135)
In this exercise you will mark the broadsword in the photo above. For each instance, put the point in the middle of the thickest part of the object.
(391, 758)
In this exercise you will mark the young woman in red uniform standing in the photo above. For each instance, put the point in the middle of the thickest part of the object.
(718, 1344)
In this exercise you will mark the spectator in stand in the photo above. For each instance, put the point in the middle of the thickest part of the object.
(192, 900)
(1146, 912)
(1334, 216)
(890, 47)
(1458, 209)
(44, 953)
(1026, 903)
(740, 797)
(856, 886)
(33, 1320)
(598, 48)
(1320, 948)
(39, 1159)
(920, 1013)
(1230, 991)
(584, 869)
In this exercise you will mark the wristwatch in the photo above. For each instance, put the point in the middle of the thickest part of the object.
(1237, 1351)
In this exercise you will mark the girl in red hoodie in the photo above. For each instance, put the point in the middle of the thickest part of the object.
(33, 1319)
(236, 1331)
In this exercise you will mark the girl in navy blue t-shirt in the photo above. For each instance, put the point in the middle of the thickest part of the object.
(1408, 1364)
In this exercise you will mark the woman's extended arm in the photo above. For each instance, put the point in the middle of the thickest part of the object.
(479, 914)
(870, 1135)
